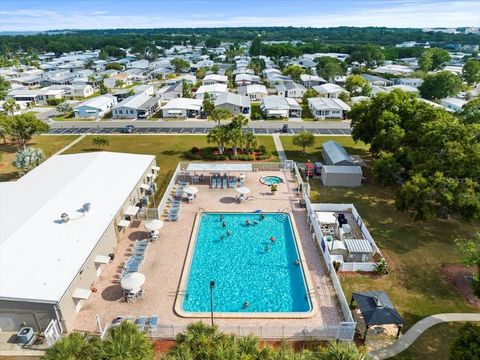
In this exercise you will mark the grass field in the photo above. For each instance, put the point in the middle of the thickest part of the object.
(169, 150)
(314, 153)
(50, 144)
(434, 343)
(414, 250)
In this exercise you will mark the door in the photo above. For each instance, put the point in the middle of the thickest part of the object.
(52, 332)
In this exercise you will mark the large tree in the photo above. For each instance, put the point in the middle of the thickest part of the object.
(219, 135)
(471, 71)
(10, 106)
(208, 104)
(23, 127)
(256, 47)
(304, 139)
(433, 59)
(466, 345)
(4, 86)
(126, 342)
(440, 85)
(471, 112)
(434, 154)
(294, 71)
(180, 65)
(74, 346)
(470, 253)
(357, 85)
(328, 67)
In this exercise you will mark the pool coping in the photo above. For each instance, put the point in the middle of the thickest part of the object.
(181, 290)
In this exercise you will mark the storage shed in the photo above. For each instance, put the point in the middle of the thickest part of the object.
(341, 176)
(359, 250)
(335, 154)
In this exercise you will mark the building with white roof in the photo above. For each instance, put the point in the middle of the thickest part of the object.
(280, 107)
(214, 90)
(254, 92)
(310, 81)
(59, 224)
(291, 90)
(246, 79)
(96, 107)
(452, 104)
(322, 108)
(329, 90)
(182, 108)
(211, 79)
(139, 106)
(234, 103)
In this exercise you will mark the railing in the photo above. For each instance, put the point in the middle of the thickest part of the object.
(326, 256)
(358, 266)
(168, 190)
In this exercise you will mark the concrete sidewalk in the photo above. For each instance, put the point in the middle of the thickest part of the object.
(416, 330)
(70, 145)
(279, 146)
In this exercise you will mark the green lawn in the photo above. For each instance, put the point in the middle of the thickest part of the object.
(414, 250)
(50, 144)
(434, 343)
(314, 153)
(169, 150)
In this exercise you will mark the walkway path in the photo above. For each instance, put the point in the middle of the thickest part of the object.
(70, 145)
(278, 144)
(416, 330)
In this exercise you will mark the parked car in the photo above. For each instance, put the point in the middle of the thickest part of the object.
(284, 129)
(128, 129)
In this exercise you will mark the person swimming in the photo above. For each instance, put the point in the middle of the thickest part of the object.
(272, 239)
(248, 223)
(221, 217)
(262, 217)
(222, 237)
(297, 262)
(224, 224)
(255, 222)
(246, 304)
(228, 232)
(267, 248)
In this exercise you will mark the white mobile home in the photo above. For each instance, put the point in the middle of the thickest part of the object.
(96, 107)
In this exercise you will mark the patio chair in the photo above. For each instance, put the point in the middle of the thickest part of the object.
(232, 182)
(224, 183)
(242, 182)
(172, 217)
(141, 321)
(153, 322)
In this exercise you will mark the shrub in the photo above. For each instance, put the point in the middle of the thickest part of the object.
(195, 150)
(265, 156)
(242, 157)
(193, 156)
(54, 102)
(262, 149)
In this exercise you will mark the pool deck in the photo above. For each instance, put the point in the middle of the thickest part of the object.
(165, 260)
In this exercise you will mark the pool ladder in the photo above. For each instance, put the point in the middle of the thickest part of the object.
(202, 210)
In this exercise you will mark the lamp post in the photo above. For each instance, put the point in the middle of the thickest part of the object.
(212, 285)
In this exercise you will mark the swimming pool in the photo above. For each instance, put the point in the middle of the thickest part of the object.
(246, 265)
(271, 180)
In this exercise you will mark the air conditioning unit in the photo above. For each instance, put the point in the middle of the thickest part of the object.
(25, 335)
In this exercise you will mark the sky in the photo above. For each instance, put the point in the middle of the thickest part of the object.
(38, 15)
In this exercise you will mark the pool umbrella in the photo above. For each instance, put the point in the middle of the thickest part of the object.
(153, 225)
(190, 190)
(242, 190)
(132, 281)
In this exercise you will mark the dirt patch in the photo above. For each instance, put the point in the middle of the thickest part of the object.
(163, 346)
(459, 275)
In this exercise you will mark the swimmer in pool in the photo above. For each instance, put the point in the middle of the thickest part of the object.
(228, 232)
(246, 304)
(248, 223)
(272, 239)
(297, 262)
(224, 224)
(267, 248)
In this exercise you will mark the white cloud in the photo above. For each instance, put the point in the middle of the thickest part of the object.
(396, 13)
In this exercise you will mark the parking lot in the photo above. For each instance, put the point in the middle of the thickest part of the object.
(192, 130)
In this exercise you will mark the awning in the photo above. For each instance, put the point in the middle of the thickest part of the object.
(124, 223)
(277, 112)
(326, 217)
(82, 294)
(132, 210)
(156, 168)
(144, 186)
(101, 259)
(218, 167)
(358, 246)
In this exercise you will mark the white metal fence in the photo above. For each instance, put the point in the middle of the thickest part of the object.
(358, 266)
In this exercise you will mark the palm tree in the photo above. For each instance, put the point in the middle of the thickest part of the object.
(27, 158)
(125, 342)
(201, 339)
(219, 114)
(236, 138)
(75, 346)
(343, 350)
(220, 136)
(239, 121)
(180, 352)
(250, 141)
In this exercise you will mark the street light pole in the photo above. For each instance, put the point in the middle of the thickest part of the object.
(212, 285)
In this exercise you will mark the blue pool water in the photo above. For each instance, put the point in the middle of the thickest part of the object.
(271, 180)
(241, 268)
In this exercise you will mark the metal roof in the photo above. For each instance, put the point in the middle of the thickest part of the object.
(358, 246)
(376, 308)
(336, 153)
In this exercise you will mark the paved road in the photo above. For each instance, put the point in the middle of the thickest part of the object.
(416, 330)
(199, 130)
